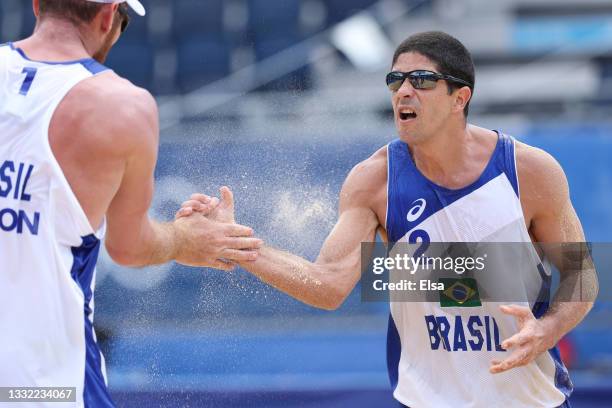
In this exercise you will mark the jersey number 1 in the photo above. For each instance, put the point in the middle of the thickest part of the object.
(27, 82)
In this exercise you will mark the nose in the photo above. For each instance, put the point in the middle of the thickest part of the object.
(406, 90)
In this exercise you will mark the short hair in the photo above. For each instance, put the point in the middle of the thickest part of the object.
(76, 11)
(448, 54)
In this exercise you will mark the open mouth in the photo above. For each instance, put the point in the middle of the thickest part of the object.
(407, 115)
(406, 112)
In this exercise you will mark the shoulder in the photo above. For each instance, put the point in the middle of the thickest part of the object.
(542, 179)
(367, 179)
(371, 170)
(537, 166)
(112, 108)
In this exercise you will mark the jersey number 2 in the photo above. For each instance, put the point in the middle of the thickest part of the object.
(27, 82)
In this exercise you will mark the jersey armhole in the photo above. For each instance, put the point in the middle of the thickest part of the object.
(515, 168)
(388, 182)
(510, 167)
(81, 218)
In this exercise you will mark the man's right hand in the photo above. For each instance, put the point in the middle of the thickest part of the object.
(210, 207)
(234, 242)
(205, 242)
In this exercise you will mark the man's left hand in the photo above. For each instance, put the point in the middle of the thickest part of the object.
(532, 340)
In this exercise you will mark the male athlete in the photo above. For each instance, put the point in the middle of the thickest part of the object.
(78, 147)
(445, 180)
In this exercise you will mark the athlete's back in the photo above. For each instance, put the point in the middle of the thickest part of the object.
(78, 146)
(47, 244)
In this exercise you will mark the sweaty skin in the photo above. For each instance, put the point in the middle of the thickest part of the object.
(105, 135)
(452, 154)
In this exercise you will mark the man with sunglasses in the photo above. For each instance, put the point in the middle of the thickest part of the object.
(78, 146)
(445, 180)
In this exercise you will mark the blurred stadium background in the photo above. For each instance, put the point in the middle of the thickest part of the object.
(278, 100)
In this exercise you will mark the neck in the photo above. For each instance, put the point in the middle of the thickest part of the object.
(57, 39)
(444, 154)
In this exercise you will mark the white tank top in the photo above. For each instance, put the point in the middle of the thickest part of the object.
(47, 246)
(438, 353)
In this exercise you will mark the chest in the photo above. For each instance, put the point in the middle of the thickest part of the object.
(490, 211)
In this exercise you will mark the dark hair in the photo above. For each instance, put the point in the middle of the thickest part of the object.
(446, 52)
(77, 11)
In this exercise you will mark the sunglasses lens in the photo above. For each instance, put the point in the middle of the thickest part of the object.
(423, 80)
(395, 81)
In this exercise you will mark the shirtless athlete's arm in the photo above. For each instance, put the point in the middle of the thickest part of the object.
(105, 137)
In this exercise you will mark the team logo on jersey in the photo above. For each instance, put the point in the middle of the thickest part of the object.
(464, 333)
(14, 179)
(418, 207)
(461, 292)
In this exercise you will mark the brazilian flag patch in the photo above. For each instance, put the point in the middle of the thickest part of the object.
(459, 292)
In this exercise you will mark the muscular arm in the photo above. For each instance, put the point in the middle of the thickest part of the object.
(133, 238)
(330, 279)
(105, 136)
(554, 223)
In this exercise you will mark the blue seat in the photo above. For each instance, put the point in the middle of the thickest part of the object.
(201, 60)
(270, 21)
(197, 17)
(338, 10)
(297, 80)
(132, 61)
(275, 42)
(276, 14)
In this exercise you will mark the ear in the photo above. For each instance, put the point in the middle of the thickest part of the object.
(462, 97)
(36, 7)
(107, 16)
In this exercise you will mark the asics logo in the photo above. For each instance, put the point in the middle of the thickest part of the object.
(417, 210)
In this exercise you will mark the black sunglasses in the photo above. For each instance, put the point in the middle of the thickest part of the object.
(122, 10)
(419, 79)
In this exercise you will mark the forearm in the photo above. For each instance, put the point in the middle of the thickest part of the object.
(162, 243)
(311, 283)
(574, 299)
(561, 318)
(154, 243)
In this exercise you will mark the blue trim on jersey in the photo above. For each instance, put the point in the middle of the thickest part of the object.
(90, 64)
(95, 392)
(540, 306)
(94, 66)
(407, 185)
(510, 168)
(563, 382)
(394, 352)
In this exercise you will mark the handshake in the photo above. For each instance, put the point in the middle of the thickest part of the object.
(207, 234)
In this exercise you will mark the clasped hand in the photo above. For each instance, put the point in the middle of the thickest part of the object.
(212, 236)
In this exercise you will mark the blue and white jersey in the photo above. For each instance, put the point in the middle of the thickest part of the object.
(47, 246)
(439, 356)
